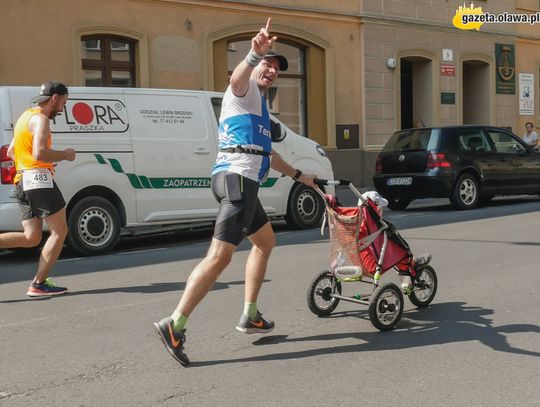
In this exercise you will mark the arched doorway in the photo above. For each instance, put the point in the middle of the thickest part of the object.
(301, 98)
(286, 98)
(475, 91)
(416, 84)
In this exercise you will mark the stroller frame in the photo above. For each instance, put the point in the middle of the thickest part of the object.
(385, 301)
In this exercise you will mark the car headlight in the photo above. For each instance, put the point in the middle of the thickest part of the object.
(320, 150)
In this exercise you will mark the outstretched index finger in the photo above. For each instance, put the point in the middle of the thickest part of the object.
(268, 24)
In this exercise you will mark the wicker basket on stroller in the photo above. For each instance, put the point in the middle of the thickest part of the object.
(361, 242)
(344, 229)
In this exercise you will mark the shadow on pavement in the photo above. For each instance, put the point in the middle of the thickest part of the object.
(154, 288)
(443, 323)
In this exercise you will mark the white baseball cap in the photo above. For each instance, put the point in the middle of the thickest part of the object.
(375, 197)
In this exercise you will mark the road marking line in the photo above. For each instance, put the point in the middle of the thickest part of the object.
(143, 251)
(74, 259)
(162, 298)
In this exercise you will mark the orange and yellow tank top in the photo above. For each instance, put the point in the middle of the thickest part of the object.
(23, 145)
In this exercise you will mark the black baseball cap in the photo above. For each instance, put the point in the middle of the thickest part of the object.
(48, 89)
(283, 64)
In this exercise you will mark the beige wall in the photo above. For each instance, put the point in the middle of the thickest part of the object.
(181, 45)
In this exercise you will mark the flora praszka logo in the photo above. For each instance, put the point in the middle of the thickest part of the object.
(472, 18)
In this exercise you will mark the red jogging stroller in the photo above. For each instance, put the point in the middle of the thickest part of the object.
(364, 246)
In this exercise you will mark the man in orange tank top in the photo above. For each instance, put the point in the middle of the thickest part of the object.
(37, 193)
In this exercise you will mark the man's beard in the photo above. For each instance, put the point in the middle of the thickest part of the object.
(54, 113)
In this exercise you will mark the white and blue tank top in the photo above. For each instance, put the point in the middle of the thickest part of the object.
(244, 121)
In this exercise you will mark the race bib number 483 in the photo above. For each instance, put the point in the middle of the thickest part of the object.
(37, 178)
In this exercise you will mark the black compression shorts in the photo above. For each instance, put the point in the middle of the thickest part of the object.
(41, 203)
(240, 211)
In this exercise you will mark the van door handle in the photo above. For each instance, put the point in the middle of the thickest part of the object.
(202, 151)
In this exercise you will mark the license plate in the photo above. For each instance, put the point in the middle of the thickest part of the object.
(399, 181)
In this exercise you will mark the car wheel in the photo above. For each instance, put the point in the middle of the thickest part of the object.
(93, 226)
(466, 192)
(305, 208)
(398, 204)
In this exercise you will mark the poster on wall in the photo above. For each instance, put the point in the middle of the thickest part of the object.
(526, 94)
(506, 68)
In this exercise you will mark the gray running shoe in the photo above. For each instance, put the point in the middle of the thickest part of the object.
(45, 289)
(257, 325)
(173, 341)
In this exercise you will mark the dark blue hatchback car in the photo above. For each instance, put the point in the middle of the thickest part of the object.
(467, 164)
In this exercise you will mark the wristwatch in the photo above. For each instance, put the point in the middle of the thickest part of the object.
(297, 175)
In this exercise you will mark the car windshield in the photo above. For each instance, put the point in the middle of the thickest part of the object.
(412, 140)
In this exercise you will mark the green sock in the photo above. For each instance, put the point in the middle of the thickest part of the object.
(250, 309)
(179, 321)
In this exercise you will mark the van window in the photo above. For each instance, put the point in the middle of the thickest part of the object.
(216, 104)
(413, 140)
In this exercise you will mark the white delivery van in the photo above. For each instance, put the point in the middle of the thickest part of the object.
(144, 158)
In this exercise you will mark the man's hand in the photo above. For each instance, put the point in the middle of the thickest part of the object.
(70, 154)
(308, 180)
(262, 42)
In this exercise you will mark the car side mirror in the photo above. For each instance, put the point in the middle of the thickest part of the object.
(276, 131)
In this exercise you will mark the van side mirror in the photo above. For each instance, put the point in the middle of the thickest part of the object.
(277, 133)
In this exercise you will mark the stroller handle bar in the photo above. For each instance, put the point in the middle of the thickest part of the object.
(319, 181)
(346, 182)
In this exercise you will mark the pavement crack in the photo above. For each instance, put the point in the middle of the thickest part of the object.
(98, 373)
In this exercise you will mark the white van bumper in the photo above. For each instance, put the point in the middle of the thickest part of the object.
(10, 217)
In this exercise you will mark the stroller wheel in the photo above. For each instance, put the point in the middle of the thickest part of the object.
(386, 306)
(424, 288)
(319, 294)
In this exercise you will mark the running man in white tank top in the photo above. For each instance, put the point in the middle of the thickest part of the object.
(243, 162)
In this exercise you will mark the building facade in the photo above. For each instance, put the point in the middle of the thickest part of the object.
(359, 69)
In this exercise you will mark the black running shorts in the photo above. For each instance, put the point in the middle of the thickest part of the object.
(240, 211)
(41, 203)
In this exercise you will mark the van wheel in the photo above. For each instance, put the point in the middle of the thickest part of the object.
(398, 204)
(466, 192)
(93, 226)
(305, 208)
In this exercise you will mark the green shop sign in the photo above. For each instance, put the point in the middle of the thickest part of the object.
(505, 69)
(143, 182)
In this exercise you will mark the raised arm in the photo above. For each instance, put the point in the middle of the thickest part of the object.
(260, 45)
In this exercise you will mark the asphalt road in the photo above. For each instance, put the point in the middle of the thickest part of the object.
(476, 345)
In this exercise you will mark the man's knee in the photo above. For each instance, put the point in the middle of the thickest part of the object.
(220, 254)
(219, 260)
(58, 225)
(33, 238)
(61, 232)
(264, 240)
(267, 245)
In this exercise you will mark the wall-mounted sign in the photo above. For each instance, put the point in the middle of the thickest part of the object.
(447, 55)
(526, 94)
(347, 136)
(448, 98)
(505, 69)
(448, 70)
